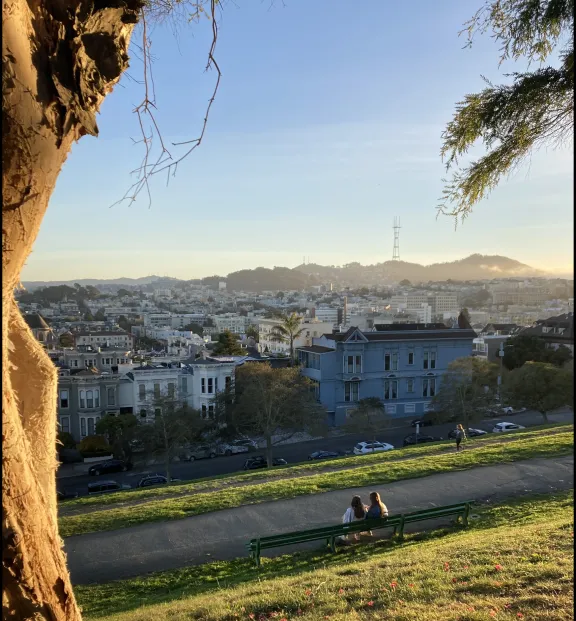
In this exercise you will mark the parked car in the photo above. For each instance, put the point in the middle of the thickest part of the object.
(154, 479)
(500, 427)
(423, 422)
(103, 487)
(203, 451)
(259, 461)
(497, 410)
(324, 455)
(471, 433)
(365, 448)
(237, 446)
(66, 495)
(111, 465)
(419, 438)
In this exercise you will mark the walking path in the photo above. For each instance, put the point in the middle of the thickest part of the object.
(222, 535)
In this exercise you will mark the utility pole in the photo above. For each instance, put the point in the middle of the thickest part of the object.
(501, 356)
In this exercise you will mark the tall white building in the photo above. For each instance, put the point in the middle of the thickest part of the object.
(209, 377)
(312, 329)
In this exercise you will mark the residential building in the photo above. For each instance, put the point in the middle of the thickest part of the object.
(86, 396)
(103, 359)
(487, 346)
(402, 364)
(41, 330)
(118, 339)
(209, 376)
(554, 331)
(231, 322)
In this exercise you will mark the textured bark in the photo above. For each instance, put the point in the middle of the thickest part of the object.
(59, 60)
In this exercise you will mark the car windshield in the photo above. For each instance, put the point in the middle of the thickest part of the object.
(359, 447)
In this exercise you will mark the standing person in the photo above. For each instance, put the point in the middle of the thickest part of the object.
(355, 512)
(377, 508)
(460, 435)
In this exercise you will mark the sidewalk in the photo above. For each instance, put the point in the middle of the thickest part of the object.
(222, 535)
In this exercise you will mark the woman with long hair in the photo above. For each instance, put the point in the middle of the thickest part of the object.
(355, 512)
(460, 435)
(377, 508)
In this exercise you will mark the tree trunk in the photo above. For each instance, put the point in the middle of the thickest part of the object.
(544, 416)
(269, 453)
(58, 63)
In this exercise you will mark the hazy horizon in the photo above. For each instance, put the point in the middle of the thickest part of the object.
(311, 150)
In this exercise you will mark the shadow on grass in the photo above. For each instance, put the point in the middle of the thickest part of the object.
(164, 587)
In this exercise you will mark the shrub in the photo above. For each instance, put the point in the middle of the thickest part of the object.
(65, 440)
(95, 444)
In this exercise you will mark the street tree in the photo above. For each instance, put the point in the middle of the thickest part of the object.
(467, 389)
(526, 348)
(288, 331)
(539, 386)
(368, 417)
(512, 120)
(120, 431)
(173, 426)
(227, 345)
(270, 403)
(252, 331)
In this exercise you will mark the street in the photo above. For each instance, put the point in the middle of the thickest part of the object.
(297, 452)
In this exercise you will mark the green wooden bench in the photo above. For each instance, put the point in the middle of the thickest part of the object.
(331, 533)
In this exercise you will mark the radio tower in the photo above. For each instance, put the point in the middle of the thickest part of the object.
(396, 251)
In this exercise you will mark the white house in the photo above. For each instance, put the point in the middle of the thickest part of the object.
(209, 377)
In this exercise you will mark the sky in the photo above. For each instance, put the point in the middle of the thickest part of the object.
(327, 125)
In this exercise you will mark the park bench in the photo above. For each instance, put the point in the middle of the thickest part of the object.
(331, 533)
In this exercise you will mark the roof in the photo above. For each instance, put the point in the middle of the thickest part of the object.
(35, 321)
(414, 335)
(102, 333)
(316, 349)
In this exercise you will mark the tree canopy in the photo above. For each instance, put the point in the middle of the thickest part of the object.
(228, 345)
(526, 348)
(511, 120)
(368, 417)
(540, 386)
(288, 331)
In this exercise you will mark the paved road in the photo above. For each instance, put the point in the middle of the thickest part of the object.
(294, 453)
(222, 535)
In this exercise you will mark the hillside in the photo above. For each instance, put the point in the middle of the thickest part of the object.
(474, 267)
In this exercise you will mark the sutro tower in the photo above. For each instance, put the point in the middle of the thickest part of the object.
(396, 251)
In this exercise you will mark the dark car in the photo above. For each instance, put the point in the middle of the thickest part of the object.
(419, 439)
(102, 487)
(471, 433)
(66, 495)
(423, 422)
(324, 455)
(155, 479)
(259, 461)
(111, 465)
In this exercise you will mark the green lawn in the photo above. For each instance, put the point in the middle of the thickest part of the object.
(379, 470)
(216, 482)
(515, 562)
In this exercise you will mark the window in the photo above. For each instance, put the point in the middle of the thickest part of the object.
(390, 409)
(157, 412)
(351, 391)
(83, 427)
(391, 389)
(409, 408)
(65, 424)
(63, 398)
(387, 362)
(171, 390)
(143, 413)
(204, 410)
(410, 357)
(156, 391)
(203, 383)
(410, 385)
(227, 382)
(391, 361)
(210, 411)
(395, 361)
(90, 426)
(82, 399)
(185, 385)
(210, 385)
(142, 391)
(429, 387)
(89, 399)
(432, 359)
(111, 396)
(429, 359)
(97, 398)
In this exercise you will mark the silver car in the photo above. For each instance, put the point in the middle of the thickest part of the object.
(203, 451)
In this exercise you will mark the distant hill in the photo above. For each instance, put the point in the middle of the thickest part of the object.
(474, 267)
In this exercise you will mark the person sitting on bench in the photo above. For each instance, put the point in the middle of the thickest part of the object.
(377, 508)
(355, 512)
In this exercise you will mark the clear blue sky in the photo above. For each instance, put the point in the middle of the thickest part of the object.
(326, 126)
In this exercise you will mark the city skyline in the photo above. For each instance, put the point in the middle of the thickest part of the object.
(304, 154)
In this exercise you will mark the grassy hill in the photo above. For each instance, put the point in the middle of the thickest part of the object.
(515, 562)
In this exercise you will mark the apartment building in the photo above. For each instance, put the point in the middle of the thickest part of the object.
(402, 364)
(233, 323)
(209, 376)
(119, 339)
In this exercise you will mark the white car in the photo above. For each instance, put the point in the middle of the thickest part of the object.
(499, 427)
(365, 448)
(243, 445)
